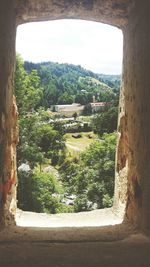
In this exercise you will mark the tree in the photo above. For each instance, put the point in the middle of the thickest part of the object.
(50, 141)
(65, 98)
(20, 82)
(33, 94)
(37, 192)
(81, 98)
(105, 122)
(91, 177)
(100, 159)
(28, 90)
(75, 115)
(64, 83)
(87, 110)
(38, 140)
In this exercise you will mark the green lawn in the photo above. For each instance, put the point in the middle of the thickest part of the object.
(77, 145)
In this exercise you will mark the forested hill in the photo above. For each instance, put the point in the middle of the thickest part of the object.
(58, 70)
(68, 83)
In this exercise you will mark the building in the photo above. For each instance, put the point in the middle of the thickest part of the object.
(99, 106)
(69, 109)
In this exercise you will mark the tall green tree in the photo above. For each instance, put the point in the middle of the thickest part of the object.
(27, 89)
(105, 122)
(35, 192)
(39, 140)
(20, 83)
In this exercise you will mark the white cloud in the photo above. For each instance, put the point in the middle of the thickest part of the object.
(93, 45)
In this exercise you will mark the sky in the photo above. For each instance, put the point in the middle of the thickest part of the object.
(95, 46)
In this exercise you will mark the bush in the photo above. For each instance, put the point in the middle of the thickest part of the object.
(105, 122)
(35, 191)
(82, 203)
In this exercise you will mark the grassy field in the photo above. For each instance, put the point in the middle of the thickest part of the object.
(77, 145)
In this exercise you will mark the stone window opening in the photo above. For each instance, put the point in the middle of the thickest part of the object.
(74, 220)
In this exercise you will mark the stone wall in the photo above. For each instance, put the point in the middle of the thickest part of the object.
(115, 12)
(132, 189)
(8, 134)
(137, 109)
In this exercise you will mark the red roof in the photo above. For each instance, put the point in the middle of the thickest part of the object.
(100, 104)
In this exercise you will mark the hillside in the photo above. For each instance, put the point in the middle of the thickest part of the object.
(68, 83)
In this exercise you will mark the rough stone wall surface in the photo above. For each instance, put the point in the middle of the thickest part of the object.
(121, 168)
(133, 152)
(9, 188)
(114, 12)
(137, 110)
(7, 110)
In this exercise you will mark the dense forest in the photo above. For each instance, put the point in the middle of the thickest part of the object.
(65, 84)
(55, 174)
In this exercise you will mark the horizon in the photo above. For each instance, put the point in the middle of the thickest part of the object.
(43, 62)
(94, 46)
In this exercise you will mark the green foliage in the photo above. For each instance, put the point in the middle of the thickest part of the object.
(39, 140)
(24, 190)
(40, 192)
(105, 122)
(87, 110)
(91, 177)
(75, 115)
(69, 171)
(65, 98)
(43, 186)
(27, 150)
(48, 139)
(28, 89)
(64, 84)
(35, 192)
(20, 82)
(82, 203)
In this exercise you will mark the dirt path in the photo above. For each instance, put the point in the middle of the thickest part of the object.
(73, 147)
